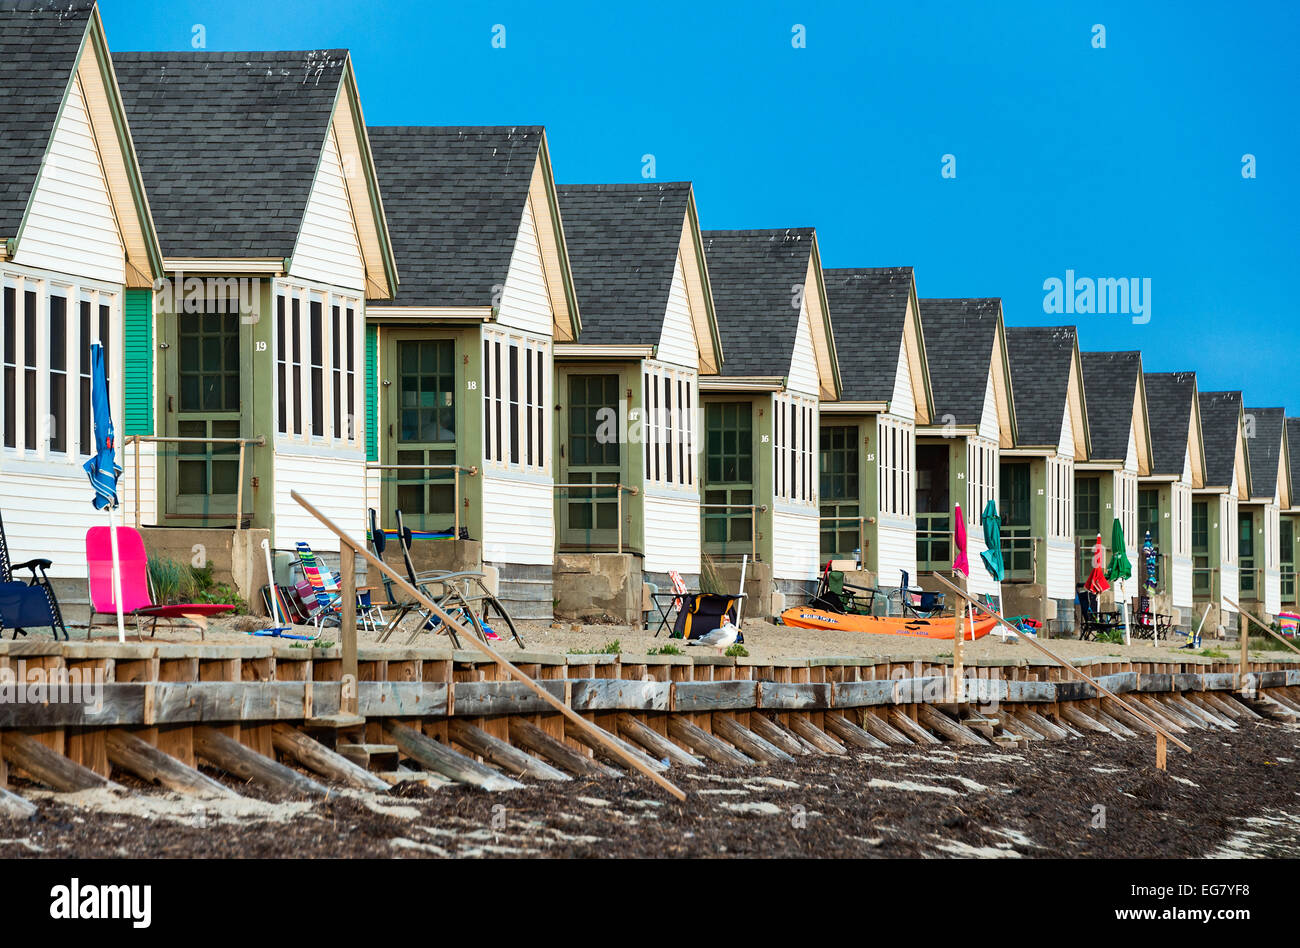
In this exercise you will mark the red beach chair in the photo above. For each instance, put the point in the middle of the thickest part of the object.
(137, 600)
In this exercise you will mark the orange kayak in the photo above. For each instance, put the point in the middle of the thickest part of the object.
(941, 628)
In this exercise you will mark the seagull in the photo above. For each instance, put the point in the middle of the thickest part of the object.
(720, 638)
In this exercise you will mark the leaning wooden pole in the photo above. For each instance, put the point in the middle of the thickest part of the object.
(1260, 623)
(596, 734)
(1159, 729)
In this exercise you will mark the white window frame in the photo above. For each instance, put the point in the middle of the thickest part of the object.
(670, 435)
(794, 450)
(896, 449)
(532, 401)
(351, 435)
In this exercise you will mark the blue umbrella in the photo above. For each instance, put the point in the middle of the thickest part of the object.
(103, 469)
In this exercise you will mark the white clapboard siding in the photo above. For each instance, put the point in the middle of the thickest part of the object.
(895, 551)
(803, 376)
(796, 544)
(518, 520)
(71, 226)
(1272, 591)
(1180, 586)
(46, 516)
(1060, 569)
(1065, 445)
(524, 301)
(903, 402)
(1228, 586)
(1131, 453)
(677, 344)
(989, 429)
(328, 250)
(672, 532)
(148, 483)
(374, 494)
(334, 485)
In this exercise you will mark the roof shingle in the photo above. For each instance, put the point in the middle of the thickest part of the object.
(1169, 416)
(1110, 379)
(1040, 359)
(868, 312)
(959, 339)
(1220, 417)
(1264, 425)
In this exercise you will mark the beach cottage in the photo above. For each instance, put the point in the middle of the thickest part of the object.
(78, 254)
(1217, 502)
(868, 466)
(759, 465)
(1106, 481)
(247, 361)
(958, 453)
(1289, 527)
(1037, 475)
(627, 392)
(1179, 525)
(1259, 552)
(460, 364)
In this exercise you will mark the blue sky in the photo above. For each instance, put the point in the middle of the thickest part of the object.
(1117, 162)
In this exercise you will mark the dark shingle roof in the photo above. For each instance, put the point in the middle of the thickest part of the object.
(868, 312)
(1264, 448)
(623, 241)
(1293, 438)
(1169, 416)
(229, 144)
(455, 199)
(1110, 379)
(1040, 380)
(1220, 416)
(38, 50)
(959, 339)
(756, 275)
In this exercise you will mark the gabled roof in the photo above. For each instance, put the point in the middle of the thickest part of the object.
(960, 336)
(1265, 447)
(624, 241)
(869, 313)
(45, 47)
(1114, 383)
(1171, 402)
(1221, 420)
(1293, 455)
(758, 279)
(1042, 361)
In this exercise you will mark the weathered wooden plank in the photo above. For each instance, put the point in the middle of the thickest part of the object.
(1158, 712)
(654, 742)
(910, 728)
(233, 757)
(48, 765)
(108, 705)
(955, 731)
(480, 698)
(1225, 721)
(862, 694)
(442, 759)
(747, 742)
(1120, 683)
(705, 744)
(1031, 692)
(773, 733)
(526, 734)
(806, 696)
(1270, 679)
(1121, 712)
(881, 730)
(1048, 729)
(1113, 724)
(700, 696)
(401, 699)
(14, 807)
(1154, 682)
(1075, 690)
(1214, 702)
(316, 757)
(1178, 714)
(1018, 727)
(815, 736)
(845, 730)
(921, 690)
(1232, 701)
(510, 759)
(1219, 681)
(602, 750)
(1186, 681)
(1083, 721)
(618, 694)
(128, 752)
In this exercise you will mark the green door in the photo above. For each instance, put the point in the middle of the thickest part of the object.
(203, 401)
(1246, 553)
(840, 498)
(592, 455)
(421, 420)
(1017, 522)
(728, 513)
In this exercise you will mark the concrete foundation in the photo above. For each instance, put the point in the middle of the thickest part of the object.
(236, 556)
(598, 587)
(1025, 599)
(759, 587)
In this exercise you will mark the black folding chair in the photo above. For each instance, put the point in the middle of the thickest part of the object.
(30, 604)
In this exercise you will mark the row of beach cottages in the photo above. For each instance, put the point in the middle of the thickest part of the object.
(582, 382)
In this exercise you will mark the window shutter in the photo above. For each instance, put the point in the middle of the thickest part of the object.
(137, 359)
(372, 393)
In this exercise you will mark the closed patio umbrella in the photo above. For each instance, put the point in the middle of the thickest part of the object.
(960, 562)
(103, 470)
(1097, 582)
(1119, 569)
(992, 557)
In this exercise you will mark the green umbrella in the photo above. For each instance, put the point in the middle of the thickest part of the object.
(1119, 567)
(992, 557)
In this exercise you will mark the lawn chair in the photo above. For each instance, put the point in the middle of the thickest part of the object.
(1093, 623)
(30, 604)
(701, 613)
(835, 595)
(1147, 623)
(137, 594)
(669, 602)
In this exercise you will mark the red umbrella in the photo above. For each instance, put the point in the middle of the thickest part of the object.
(1097, 582)
(960, 564)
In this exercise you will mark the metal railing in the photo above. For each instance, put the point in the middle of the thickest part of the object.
(592, 500)
(726, 519)
(933, 530)
(835, 531)
(243, 443)
(457, 468)
(1016, 547)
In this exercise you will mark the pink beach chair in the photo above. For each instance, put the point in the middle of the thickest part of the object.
(137, 601)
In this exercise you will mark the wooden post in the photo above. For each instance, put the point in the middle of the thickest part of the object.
(618, 491)
(348, 627)
(239, 489)
(1161, 752)
(596, 733)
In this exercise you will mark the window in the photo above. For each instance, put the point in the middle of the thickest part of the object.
(515, 387)
(58, 330)
(794, 425)
(728, 513)
(981, 477)
(9, 316)
(1087, 506)
(315, 332)
(1060, 498)
(1148, 520)
(894, 440)
(668, 396)
(840, 528)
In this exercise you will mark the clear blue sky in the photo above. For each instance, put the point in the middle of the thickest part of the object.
(1116, 162)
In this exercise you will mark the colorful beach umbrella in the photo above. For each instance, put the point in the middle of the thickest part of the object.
(1149, 562)
(1097, 582)
(960, 562)
(992, 556)
(103, 470)
(1119, 567)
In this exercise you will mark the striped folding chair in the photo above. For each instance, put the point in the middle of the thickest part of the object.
(324, 585)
